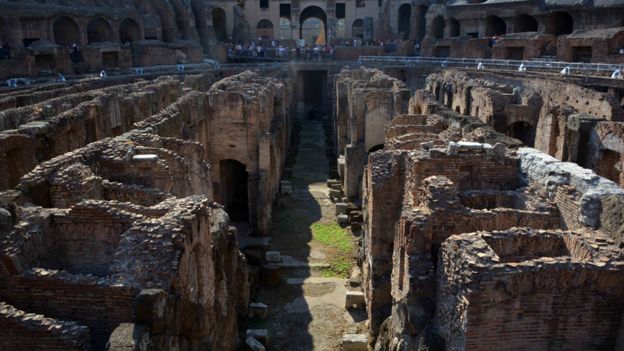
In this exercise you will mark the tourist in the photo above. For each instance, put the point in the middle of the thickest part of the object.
(480, 65)
(522, 68)
(616, 74)
(565, 71)
(139, 71)
(103, 74)
(60, 78)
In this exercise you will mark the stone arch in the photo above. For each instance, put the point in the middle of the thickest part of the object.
(357, 29)
(421, 22)
(522, 131)
(560, 23)
(129, 31)
(524, 23)
(437, 27)
(219, 23)
(264, 29)
(99, 30)
(285, 28)
(454, 28)
(235, 189)
(312, 12)
(66, 31)
(494, 25)
(404, 16)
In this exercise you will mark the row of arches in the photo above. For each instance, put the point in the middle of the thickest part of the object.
(558, 23)
(66, 31)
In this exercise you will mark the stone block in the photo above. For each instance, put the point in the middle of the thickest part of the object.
(251, 344)
(285, 187)
(272, 256)
(258, 310)
(261, 335)
(342, 220)
(335, 193)
(341, 208)
(354, 342)
(354, 299)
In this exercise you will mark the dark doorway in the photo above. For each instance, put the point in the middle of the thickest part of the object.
(443, 51)
(438, 27)
(421, 22)
(219, 24)
(405, 13)
(522, 131)
(560, 23)
(265, 29)
(110, 59)
(515, 53)
(99, 31)
(494, 25)
(314, 92)
(129, 31)
(358, 29)
(376, 148)
(45, 62)
(582, 54)
(234, 190)
(454, 29)
(524, 23)
(66, 31)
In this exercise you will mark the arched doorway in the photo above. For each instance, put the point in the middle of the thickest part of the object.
(405, 14)
(454, 29)
(437, 27)
(421, 22)
(234, 190)
(494, 25)
(219, 24)
(560, 23)
(522, 131)
(129, 31)
(285, 28)
(264, 29)
(99, 30)
(524, 23)
(66, 31)
(357, 29)
(312, 28)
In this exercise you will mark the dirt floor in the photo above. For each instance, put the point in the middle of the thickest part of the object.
(306, 311)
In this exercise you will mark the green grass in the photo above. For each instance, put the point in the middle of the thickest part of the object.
(332, 235)
(340, 266)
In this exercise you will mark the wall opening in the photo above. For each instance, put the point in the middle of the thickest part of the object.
(285, 28)
(582, 53)
(376, 148)
(66, 31)
(219, 24)
(442, 51)
(494, 26)
(437, 27)
(515, 53)
(357, 29)
(129, 31)
(560, 23)
(522, 131)
(15, 161)
(607, 166)
(524, 23)
(99, 31)
(234, 190)
(44, 62)
(313, 28)
(264, 29)
(110, 59)
(314, 93)
(405, 14)
(421, 22)
(454, 29)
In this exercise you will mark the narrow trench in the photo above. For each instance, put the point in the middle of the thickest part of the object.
(306, 306)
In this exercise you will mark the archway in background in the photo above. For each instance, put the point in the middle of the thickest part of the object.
(437, 27)
(129, 31)
(494, 25)
(234, 190)
(357, 29)
(264, 29)
(285, 28)
(66, 31)
(525, 23)
(341, 29)
(405, 14)
(312, 27)
(99, 30)
(421, 22)
(219, 24)
(560, 23)
(454, 29)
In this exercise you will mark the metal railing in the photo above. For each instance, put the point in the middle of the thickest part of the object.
(575, 67)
